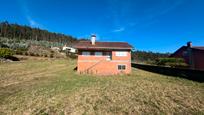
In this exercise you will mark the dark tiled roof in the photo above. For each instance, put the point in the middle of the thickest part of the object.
(198, 47)
(102, 45)
(183, 48)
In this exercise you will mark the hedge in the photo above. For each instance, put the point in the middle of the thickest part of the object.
(5, 52)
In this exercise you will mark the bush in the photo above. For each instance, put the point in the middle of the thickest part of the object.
(37, 54)
(52, 54)
(2, 45)
(5, 52)
(26, 53)
(31, 54)
(172, 62)
(45, 55)
(73, 56)
(18, 52)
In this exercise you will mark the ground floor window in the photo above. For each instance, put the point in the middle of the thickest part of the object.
(98, 53)
(86, 53)
(121, 67)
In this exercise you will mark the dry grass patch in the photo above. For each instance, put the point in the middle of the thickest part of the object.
(52, 87)
(142, 96)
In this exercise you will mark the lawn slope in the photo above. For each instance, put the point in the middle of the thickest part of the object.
(52, 87)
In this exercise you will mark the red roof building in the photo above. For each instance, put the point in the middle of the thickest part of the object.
(193, 55)
(103, 58)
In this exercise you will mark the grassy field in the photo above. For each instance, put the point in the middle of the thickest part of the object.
(52, 87)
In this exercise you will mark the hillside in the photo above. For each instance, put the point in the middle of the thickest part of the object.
(48, 86)
(23, 32)
(23, 40)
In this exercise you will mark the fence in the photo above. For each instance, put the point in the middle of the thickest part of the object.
(195, 75)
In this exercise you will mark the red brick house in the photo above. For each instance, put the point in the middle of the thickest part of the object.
(103, 58)
(193, 55)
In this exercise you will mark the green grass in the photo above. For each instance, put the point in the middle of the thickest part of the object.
(52, 87)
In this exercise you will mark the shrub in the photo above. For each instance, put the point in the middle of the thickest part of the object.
(37, 54)
(45, 55)
(26, 53)
(52, 54)
(5, 52)
(73, 56)
(172, 62)
(31, 54)
(19, 52)
(2, 45)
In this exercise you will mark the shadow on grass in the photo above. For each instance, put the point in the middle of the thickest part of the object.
(195, 75)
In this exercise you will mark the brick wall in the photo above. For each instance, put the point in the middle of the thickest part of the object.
(100, 65)
(198, 59)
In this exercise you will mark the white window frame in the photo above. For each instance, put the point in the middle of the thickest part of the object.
(98, 53)
(121, 53)
(86, 53)
(121, 68)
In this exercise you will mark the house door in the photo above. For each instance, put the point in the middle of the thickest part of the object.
(109, 55)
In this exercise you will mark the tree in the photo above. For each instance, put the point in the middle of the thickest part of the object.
(14, 31)
(172, 62)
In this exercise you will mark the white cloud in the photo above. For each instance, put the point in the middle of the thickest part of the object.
(122, 11)
(26, 12)
(119, 29)
(33, 23)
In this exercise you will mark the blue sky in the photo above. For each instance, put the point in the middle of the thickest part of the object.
(151, 25)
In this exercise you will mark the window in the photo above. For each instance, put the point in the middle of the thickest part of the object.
(85, 53)
(121, 67)
(121, 53)
(98, 54)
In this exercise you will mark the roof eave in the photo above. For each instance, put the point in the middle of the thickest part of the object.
(102, 48)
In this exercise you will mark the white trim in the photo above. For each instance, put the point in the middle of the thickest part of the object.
(121, 53)
(122, 69)
(88, 60)
(104, 48)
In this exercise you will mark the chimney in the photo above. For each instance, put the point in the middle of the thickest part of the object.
(189, 44)
(93, 39)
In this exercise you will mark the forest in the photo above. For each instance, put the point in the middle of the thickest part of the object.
(24, 32)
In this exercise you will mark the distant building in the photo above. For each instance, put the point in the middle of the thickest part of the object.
(193, 55)
(69, 49)
(103, 58)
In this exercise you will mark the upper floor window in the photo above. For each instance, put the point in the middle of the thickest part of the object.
(121, 53)
(98, 53)
(86, 53)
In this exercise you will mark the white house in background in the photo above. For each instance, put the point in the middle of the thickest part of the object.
(69, 49)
